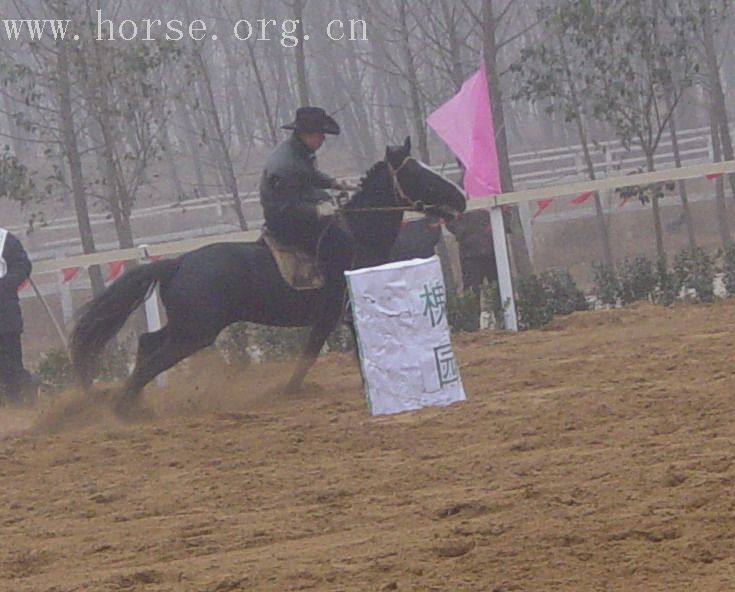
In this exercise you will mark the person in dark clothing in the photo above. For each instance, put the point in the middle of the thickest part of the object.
(417, 238)
(476, 251)
(292, 187)
(15, 268)
(296, 206)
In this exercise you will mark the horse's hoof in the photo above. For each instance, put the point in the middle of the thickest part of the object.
(133, 412)
(291, 389)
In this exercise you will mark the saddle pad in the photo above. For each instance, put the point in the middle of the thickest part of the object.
(298, 268)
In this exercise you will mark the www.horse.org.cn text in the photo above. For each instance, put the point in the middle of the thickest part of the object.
(287, 32)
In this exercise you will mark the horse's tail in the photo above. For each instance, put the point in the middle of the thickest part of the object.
(105, 315)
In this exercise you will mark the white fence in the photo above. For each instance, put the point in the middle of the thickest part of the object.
(540, 168)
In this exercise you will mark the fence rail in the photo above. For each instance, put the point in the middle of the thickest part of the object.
(517, 197)
(531, 169)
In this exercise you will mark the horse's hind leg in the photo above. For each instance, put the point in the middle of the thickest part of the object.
(157, 352)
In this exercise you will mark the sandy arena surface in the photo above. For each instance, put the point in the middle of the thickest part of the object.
(595, 455)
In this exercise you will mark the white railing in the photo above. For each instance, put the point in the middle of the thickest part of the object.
(517, 197)
(559, 165)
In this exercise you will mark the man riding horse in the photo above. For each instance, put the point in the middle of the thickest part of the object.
(292, 193)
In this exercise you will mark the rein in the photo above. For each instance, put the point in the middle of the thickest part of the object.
(398, 193)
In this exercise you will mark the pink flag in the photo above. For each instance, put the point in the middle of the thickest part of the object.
(465, 124)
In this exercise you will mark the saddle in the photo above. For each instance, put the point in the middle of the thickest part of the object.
(298, 268)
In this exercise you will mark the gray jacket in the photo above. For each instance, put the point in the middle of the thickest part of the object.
(290, 178)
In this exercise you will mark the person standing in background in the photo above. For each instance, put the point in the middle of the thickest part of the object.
(15, 268)
(473, 232)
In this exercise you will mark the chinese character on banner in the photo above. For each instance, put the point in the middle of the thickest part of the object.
(446, 365)
(434, 300)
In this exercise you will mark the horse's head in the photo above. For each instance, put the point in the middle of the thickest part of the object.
(416, 182)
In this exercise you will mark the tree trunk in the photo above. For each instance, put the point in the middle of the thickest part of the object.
(285, 94)
(600, 216)
(186, 122)
(169, 155)
(228, 170)
(722, 223)
(300, 53)
(120, 201)
(521, 258)
(366, 131)
(237, 101)
(270, 120)
(717, 96)
(657, 227)
(71, 151)
(682, 184)
(417, 110)
(455, 46)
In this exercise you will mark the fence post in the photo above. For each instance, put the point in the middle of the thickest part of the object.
(65, 297)
(152, 312)
(524, 212)
(505, 281)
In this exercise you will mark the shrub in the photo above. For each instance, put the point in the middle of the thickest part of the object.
(55, 370)
(277, 343)
(463, 311)
(636, 280)
(341, 339)
(534, 308)
(695, 270)
(728, 270)
(491, 304)
(666, 291)
(540, 298)
(234, 343)
(563, 294)
(114, 363)
(606, 287)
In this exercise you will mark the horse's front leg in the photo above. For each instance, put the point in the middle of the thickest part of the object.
(317, 337)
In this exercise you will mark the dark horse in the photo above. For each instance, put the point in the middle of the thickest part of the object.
(210, 288)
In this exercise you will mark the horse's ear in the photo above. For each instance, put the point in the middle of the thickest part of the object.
(407, 145)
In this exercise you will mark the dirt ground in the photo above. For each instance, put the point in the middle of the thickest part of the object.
(595, 455)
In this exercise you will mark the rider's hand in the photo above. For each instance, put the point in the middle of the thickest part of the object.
(324, 209)
(419, 206)
(343, 186)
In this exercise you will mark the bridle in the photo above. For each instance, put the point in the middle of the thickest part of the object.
(400, 196)
(398, 192)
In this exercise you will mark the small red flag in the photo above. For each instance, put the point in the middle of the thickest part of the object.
(580, 199)
(70, 273)
(114, 269)
(713, 176)
(542, 205)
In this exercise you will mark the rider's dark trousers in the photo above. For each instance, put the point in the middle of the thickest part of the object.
(13, 377)
(335, 249)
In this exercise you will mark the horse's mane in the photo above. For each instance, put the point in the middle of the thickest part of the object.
(372, 183)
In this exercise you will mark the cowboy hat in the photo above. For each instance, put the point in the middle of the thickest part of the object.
(313, 119)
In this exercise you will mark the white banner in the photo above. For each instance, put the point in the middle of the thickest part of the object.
(403, 338)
